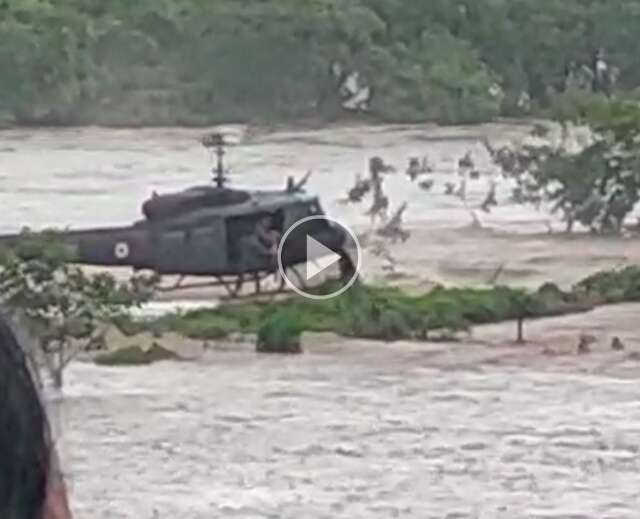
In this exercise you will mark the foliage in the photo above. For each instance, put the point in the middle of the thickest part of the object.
(279, 333)
(389, 314)
(61, 305)
(198, 324)
(194, 62)
(595, 183)
(615, 286)
(374, 314)
(134, 356)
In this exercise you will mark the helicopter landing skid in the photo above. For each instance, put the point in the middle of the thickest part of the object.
(234, 289)
(233, 285)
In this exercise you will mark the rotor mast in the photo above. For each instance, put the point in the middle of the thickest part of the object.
(217, 141)
(219, 171)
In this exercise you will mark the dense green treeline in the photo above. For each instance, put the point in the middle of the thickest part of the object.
(197, 61)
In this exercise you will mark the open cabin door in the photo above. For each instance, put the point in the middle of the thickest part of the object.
(241, 231)
(195, 251)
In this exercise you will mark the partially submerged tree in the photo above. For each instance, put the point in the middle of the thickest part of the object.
(525, 305)
(596, 183)
(63, 308)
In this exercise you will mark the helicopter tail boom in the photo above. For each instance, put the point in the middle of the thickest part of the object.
(111, 246)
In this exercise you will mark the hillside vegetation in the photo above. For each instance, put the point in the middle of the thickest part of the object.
(192, 62)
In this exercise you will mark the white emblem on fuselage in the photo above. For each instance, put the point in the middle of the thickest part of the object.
(121, 250)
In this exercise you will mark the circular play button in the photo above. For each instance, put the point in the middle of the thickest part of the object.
(316, 249)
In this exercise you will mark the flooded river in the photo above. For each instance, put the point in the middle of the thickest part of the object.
(340, 433)
(337, 436)
(100, 177)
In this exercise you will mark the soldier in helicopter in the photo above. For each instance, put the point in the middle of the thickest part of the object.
(262, 242)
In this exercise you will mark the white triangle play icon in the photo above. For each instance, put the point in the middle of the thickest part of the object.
(319, 257)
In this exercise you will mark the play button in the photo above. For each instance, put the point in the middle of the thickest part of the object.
(323, 257)
(325, 250)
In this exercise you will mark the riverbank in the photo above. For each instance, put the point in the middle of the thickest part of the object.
(366, 312)
(551, 344)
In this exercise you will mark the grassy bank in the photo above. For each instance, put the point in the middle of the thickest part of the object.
(385, 313)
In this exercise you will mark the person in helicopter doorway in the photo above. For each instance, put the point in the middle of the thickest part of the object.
(262, 243)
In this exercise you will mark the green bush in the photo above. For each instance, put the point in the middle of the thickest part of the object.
(375, 314)
(205, 325)
(134, 356)
(613, 286)
(550, 292)
(280, 333)
(129, 326)
(443, 314)
(388, 314)
(246, 315)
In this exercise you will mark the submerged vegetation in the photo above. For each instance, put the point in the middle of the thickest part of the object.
(389, 314)
(134, 356)
(596, 182)
(194, 62)
(279, 333)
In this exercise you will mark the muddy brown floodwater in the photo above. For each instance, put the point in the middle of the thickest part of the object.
(352, 432)
(350, 429)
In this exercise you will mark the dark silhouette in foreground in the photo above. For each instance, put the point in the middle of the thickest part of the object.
(31, 486)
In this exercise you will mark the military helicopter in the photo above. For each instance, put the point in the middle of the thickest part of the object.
(198, 232)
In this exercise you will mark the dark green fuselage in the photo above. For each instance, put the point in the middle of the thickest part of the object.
(199, 232)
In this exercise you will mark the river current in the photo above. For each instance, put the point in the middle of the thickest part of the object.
(330, 436)
(325, 434)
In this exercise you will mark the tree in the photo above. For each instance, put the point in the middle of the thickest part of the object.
(596, 183)
(524, 305)
(176, 61)
(63, 308)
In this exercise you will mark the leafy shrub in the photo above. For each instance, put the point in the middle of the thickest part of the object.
(129, 326)
(280, 333)
(205, 325)
(612, 286)
(444, 314)
(365, 312)
(246, 315)
(388, 314)
(134, 356)
(550, 292)
(61, 305)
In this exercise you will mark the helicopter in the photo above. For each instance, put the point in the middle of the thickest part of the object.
(199, 231)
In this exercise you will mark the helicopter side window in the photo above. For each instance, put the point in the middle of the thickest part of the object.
(240, 227)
